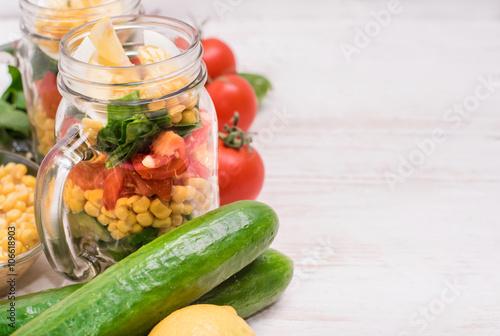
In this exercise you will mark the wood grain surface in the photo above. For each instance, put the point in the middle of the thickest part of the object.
(384, 169)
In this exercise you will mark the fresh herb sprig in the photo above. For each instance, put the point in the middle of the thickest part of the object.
(131, 129)
(14, 121)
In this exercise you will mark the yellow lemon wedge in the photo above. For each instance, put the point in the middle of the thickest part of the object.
(203, 320)
(108, 47)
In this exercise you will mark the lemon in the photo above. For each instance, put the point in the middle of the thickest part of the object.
(109, 48)
(203, 320)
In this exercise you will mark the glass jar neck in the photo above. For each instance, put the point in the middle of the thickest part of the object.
(85, 82)
(52, 19)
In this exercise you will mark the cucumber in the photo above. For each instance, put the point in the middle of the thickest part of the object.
(132, 296)
(30, 306)
(248, 291)
(254, 287)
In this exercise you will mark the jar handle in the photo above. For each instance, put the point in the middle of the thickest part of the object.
(49, 210)
(8, 54)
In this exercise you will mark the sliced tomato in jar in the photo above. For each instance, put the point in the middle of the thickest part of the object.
(84, 173)
(198, 169)
(136, 185)
(199, 136)
(171, 168)
(162, 188)
(168, 144)
(140, 186)
(113, 187)
(49, 94)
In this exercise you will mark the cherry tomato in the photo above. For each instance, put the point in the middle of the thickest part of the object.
(48, 94)
(218, 57)
(230, 94)
(241, 173)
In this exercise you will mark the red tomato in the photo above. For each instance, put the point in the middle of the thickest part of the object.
(230, 94)
(48, 94)
(197, 169)
(218, 57)
(168, 144)
(241, 174)
(173, 167)
(138, 186)
(199, 136)
(162, 188)
(113, 187)
(85, 174)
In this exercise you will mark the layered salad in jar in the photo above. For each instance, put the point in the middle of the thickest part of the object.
(54, 18)
(155, 169)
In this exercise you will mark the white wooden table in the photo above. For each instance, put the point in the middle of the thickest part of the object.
(386, 190)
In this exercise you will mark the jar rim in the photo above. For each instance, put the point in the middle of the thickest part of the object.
(32, 11)
(28, 4)
(188, 62)
(83, 29)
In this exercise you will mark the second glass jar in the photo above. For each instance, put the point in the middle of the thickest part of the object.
(44, 23)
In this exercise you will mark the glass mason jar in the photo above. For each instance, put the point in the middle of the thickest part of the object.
(44, 23)
(136, 153)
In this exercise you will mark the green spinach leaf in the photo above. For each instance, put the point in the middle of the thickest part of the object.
(261, 85)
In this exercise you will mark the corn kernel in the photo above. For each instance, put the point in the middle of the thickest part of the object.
(112, 226)
(201, 198)
(131, 218)
(23, 195)
(20, 205)
(159, 209)
(162, 223)
(197, 182)
(28, 236)
(4, 243)
(92, 210)
(131, 200)
(103, 219)
(179, 193)
(176, 220)
(188, 208)
(14, 215)
(189, 117)
(8, 188)
(117, 235)
(9, 203)
(19, 171)
(145, 218)
(29, 181)
(141, 205)
(122, 202)
(76, 206)
(95, 197)
(177, 208)
(137, 228)
(176, 118)
(109, 213)
(121, 212)
(190, 192)
(3, 223)
(123, 226)
(91, 123)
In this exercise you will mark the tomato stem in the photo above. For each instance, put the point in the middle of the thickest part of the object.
(235, 137)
